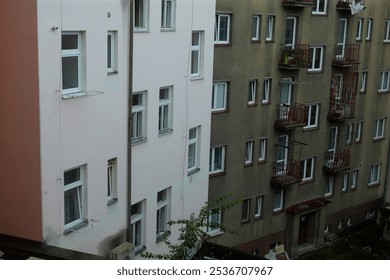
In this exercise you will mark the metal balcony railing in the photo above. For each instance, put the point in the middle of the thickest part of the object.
(290, 116)
(294, 57)
(341, 108)
(347, 54)
(298, 3)
(285, 173)
(346, 3)
(336, 161)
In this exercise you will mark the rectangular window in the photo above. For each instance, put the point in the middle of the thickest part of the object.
(320, 7)
(193, 149)
(256, 20)
(138, 115)
(112, 50)
(387, 31)
(369, 29)
(222, 29)
(246, 207)
(196, 54)
(316, 58)
(167, 14)
(379, 129)
(259, 206)
(266, 91)
(307, 169)
(349, 134)
(165, 110)
(74, 191)
(140, 15)
(71, 62)
(384, 81)
(359, 131)
(214, 221)
(269, 35)
(111, 181)
(219, 97)
(359, 29)
(345, 182)
(363, 85)
(278, 200)
(249, 152)
(138, 225)
(329, 183)
(217, 160)
(373, 177)
(262, 150)
(252, 92)
(163, 212)
(354, 181)
(312, 116)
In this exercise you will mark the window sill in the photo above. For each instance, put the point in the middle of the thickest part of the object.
(344, 191)
(168, 29)
(358, 142)
(255, 41)
(112, 73)
(192, 172)
(215, 233)
(307, 129)
(378, 139)
(252, 105)
(76, 227)
(265, 103)
(219, 111)
(383, 91)
(217, 174)
(164, 132)
(354, 189)
(249, 164)
(305, 182)
(141, 30)
(161, 237)
(222, 44)
(73, 95)
(374, 185)
(139, 140)
(328, 195)
(259, 218)
(277, 212)
(269, 41)
(112, 201)
(315, 71)
(243, 222)
(260, 162)
(196, 78)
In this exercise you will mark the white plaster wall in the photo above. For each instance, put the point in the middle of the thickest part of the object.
(162, 59)
(86, 130)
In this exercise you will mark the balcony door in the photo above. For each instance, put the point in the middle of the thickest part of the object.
(285, 97)
(282, 154)
(291, 32)
(341, 38)
(333, 135)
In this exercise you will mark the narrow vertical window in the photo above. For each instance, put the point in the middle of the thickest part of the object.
(138, 115)
(266, 91)
(384, 81)
(354, 182)
(162, 213)
(193, 149)
(373, 178)
(167, 14)
(359, 29)
(196, 54)
(363, 85)
(259, 206)
(74, 190)
(344, 182)
(349, 134)
(249, 152)
(246, 206)
(217, 160)
(111, 52)
(262, 150)
(222, 29)
(140, 14)
(111, 181)
(219, 97)
(379, 129)
(138, 226)
(165, 110)
(71, 62)
(387, 31)
(256, 20)
(269, 35)
(369, 29)
(312, 116)
(329, 181)
(252, 92)
(278, 200)
(359, 131)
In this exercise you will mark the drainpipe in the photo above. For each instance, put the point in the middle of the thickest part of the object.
(129, 122)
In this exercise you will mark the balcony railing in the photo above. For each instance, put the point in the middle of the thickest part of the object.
(346, 4)
(298, 3)
(289, 117)
(346, 55)
(285, 174)
(294, 57)
(336, 161)
(341, 109)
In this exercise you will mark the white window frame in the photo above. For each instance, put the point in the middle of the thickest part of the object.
(72, 53)
(112, 50)
(317, 8)
(317, 61)
(259, 206)
(217, 157)
(138, 115)
(196, 54)
(344, 181)
(217, 95)
(252, 96)
(349, 134)
(359, 29)
(256, 25)
(168, 15)
(79, 187)
(138, 220)
(267, 85)
(384, 81)
(313, 112)
(163, 214)
(363, 85)
(262, 150)
(249, 145)
(291, 21)
(246, 210)
(214, 217)
(165, 110)
(387, 31)
(269, 35)
(193, 149)
(369, 29)
(112, 181)
(217, 30)
(379, 129)
(308, 169)
(143, 15)
(359, 131)
(329, 186)
(354, 180)
(280, 206)
(374, 175)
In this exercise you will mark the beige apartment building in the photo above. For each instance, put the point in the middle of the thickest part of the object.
(300, 129)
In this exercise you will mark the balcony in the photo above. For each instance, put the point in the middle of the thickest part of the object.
(285, 174)
(341, 109)
(354, 6)
(336, 161)
(294, 57)
(297, 3)
(346, 55)
(289, 117)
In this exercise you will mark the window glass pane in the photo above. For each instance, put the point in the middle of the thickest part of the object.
(223, 28)
(194, 62)
(72, 176)
(109, 51)
(191, 155)
(72, 205)
(69, 42)
(70, 72)
(192, 133)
